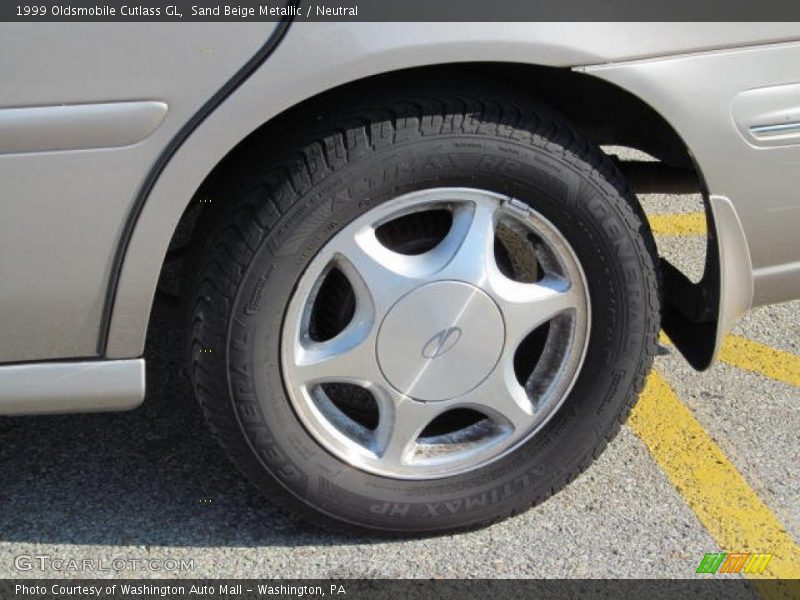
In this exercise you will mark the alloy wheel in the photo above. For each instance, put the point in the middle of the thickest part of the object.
(435, 333)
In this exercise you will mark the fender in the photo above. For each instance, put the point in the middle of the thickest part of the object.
(315, 57)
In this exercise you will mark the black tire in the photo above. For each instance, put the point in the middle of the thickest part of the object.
(278, 207)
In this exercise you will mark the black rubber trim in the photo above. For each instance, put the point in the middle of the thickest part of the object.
(163, 159)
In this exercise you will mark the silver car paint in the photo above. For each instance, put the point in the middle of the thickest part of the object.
(62, 212)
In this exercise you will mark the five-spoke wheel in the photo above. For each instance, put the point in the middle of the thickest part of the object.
(418, 330)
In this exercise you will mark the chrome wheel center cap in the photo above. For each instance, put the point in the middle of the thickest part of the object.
(440, 340)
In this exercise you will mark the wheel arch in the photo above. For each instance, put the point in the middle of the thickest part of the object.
(175, 201)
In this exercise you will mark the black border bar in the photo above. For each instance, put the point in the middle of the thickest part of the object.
(704, 587)
(399, 10)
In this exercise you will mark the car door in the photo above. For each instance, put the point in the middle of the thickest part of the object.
(85, 111)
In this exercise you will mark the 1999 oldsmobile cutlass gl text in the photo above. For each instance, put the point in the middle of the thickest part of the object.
(222, 10)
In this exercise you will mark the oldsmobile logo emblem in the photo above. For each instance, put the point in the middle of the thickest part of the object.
(441, 342)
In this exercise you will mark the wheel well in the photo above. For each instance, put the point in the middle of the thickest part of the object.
(601, 111)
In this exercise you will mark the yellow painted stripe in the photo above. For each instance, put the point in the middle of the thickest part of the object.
(712, 487)
(757, 358)
(678, 224)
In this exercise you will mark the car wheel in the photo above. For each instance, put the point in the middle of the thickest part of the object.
(426, 313)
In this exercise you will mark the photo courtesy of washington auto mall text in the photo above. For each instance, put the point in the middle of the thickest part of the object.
(178, 590)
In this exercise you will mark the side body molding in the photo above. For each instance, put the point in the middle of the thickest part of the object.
(62, 387)
(78, 126)
(769, 116)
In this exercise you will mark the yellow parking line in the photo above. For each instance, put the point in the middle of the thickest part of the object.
(759, 358)
(678, 224)
(717, 493)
